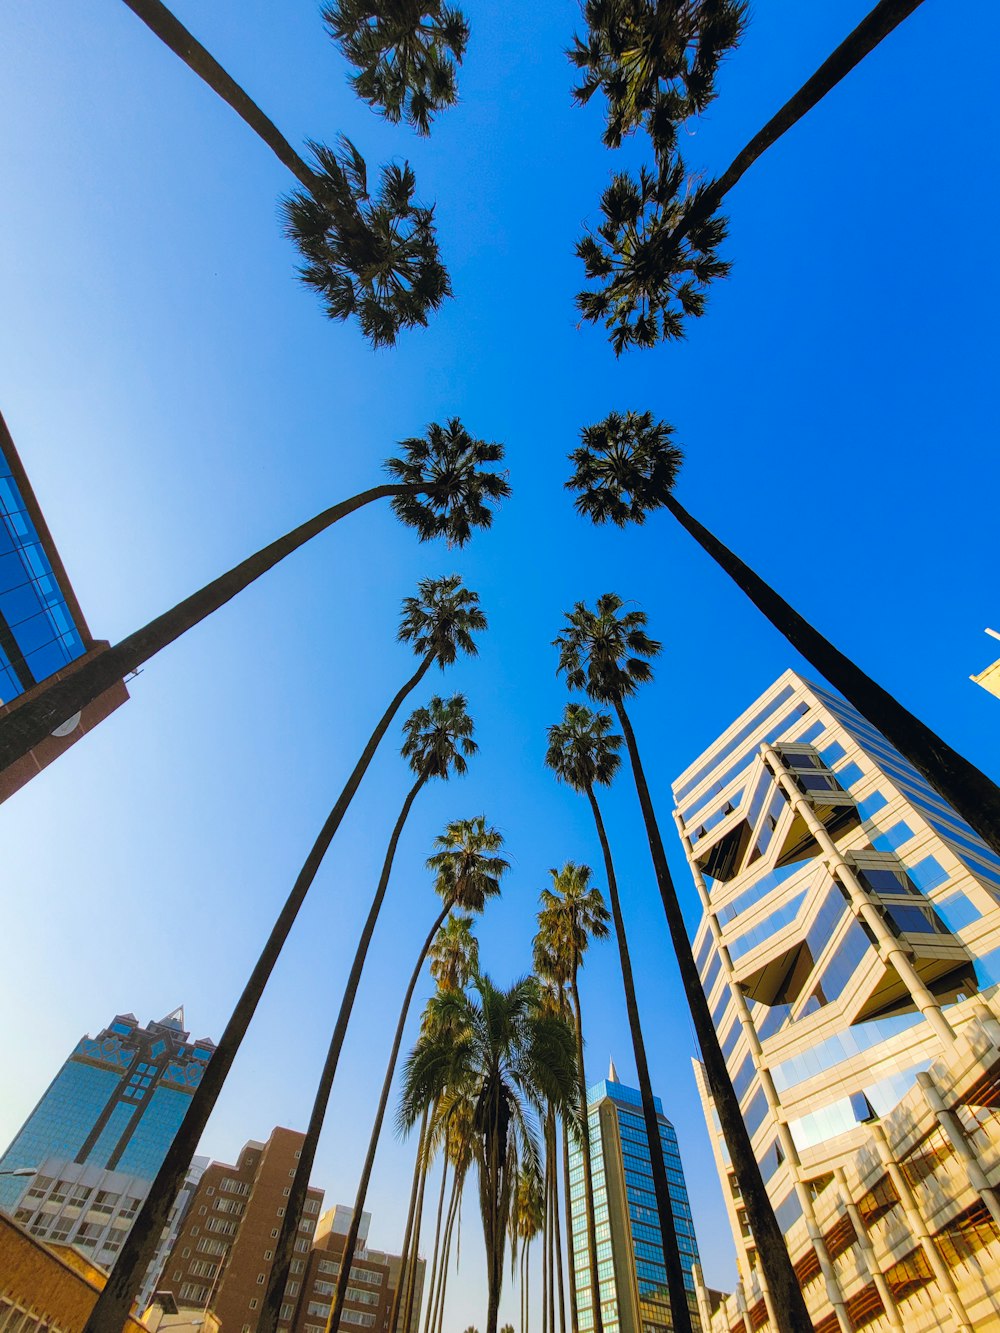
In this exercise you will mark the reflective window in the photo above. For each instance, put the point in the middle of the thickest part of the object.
(893, 837)
(743, 1077)
(844, 962)
(737, 740)
(712, 974)
(723, 782)
(852, 1041)
(755, 1112)
(788, 1211)
(849, 775)
(832, 753)
(871, 805)
(916, 920)
(764, 929)
(927, 874)
(770, 1160)
(882, 879)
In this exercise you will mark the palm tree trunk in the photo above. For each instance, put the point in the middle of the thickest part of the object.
(173, 33)
(775, 1263)
(588, 1183)
(112, 1306)
(524, 1289)
(546, 1235)
(963, 786)
(411, 1277)
(570, 1255)
(34, 720)
(284, 1249)
(550, 1230)
(556, 1228)
(438, 1252)
(351, 1241)
(453, 1205)
(878, 24)
(680, 1311)
(405, 1249)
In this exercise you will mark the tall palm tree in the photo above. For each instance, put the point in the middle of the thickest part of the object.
(655, 250)
(442, 486)
(454, 953)
(572, 914)
(373, 255)
(605, 652)
(627, 466)
(437, 741)
(468, 870)
(439, 623)
(510, 1057)
(583, 752)
(404, 53)
(527, 1219)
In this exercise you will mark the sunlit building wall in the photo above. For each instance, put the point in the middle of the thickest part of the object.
(850, 952)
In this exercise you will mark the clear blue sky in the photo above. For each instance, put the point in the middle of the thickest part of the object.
(178, 400)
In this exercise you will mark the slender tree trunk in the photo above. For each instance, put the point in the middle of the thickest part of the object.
(284, 1248)
(570, 1252)
(173, 34)
(411, 1280)
(351, 1241)
(112, 1306)
(524, 1288)
(775, 1263)
(677, 1291)
(453, 1205)
(550, 1231)
(546, 1236)
(404, 1252)
(960, 783)
(872, 29)
(556, 1229)
(435, 1272)
(34, 720)
(588, 1183)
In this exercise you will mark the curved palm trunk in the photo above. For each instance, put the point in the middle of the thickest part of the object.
(556, 1228)
(37, 718)
(588, 1182)
(350, 1243)
(875, 26)
(432, 1290)
(570, 1256)
(775, 1263)
(962, 785)
(173, 33)
(679, 1309)
(112, 1306)
(411, 1276)
(453, 1205)
(284, 1248)
(405, 1249)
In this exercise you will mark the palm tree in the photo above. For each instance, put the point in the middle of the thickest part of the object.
(368, 254)
(437, 741)
(553, 999)
(457, 1114)
(572, 914)
(439, 623)
(527, 1219)
(454, 953)
(655, 251)
(442, 486)
(605, 653)
(627, 466)
(468, 871)
(509, 1057)
(583, 751)
(404, 52)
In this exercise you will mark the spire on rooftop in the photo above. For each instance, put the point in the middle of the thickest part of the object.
(612, 1071)
(175, 1019)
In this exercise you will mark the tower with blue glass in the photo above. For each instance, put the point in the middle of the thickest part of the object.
(630, 1264)
(115, 1105)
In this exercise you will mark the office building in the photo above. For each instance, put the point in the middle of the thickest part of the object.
(989, 677)
(630, 1267)
(43, 633)
(850, 952)
(222, 1257)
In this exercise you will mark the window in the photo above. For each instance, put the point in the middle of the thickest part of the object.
(193, 1291)
(958, 911)
(274, 1233)
(260, 1279)
(927, 874)
(849, 775)
(253, 1303)
(291, 1174)
(916, 920)
(302, 1246)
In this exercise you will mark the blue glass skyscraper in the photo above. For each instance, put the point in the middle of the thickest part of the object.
(630, 1264)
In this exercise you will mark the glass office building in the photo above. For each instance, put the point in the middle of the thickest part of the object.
(116, 1104)
(849, 950)
(631, 1272)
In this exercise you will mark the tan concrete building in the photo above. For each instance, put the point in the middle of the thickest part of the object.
(222, 1257)
(989, 677)
(850, 952)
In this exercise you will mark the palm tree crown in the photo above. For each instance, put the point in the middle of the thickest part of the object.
(373, 255)
(603, 652)
(441, 619)
(452, 465)
(582, 749)
(624, 467)
(655, 62)
(466, 865)
(438, 738)
(572, 913)
(454, 954)
(404, 52)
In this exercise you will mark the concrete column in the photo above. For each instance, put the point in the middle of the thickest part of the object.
(954, 1131)
(915, 1221)
(868, 1254)
(704, 1313)
(890, 949)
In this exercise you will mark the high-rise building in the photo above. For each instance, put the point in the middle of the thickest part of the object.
(631, 1272)
(850, 952)
(222, 1257)
(43, 633)
(115, 1105)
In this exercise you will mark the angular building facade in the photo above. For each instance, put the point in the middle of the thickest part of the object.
(630, 1266)
(43, 633)
(850, 952)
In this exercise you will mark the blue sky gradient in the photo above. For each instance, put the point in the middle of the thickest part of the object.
(178, 400)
